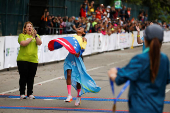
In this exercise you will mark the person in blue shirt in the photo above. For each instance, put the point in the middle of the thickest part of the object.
(148, 73)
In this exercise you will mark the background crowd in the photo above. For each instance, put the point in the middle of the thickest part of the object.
(105, 20)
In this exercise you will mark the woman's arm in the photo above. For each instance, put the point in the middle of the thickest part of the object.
(112, 73)
(37, 38)
(131, 71)
(140, 41)
(26, 42)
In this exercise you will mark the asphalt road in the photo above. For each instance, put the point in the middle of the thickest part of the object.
(50, 86)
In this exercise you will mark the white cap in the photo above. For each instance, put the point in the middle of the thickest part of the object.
(108, 7)
(105, 12)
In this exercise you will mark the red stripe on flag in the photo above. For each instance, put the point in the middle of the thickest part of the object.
(64, 43)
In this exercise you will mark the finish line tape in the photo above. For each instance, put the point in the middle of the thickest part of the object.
(63, 109)
(59, 108)
(74, 98)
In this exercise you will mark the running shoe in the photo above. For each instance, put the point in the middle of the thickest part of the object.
(23, 97)
(69, 98)
(31, 97)
(78, 101)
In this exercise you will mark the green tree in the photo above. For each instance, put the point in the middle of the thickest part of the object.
(157, 7)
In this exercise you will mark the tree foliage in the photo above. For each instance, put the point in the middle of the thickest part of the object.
(159, 9)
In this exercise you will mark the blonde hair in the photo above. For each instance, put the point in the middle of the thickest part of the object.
(25, 24)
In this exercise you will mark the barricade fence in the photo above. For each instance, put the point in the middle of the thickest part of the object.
(50, 30)
(96, 43)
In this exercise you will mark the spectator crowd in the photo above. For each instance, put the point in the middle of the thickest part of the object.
(105, 20)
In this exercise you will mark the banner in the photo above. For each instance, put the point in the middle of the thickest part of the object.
(89, 47)
(2, 39)
(96, 42)
(135, 38)
(106, 42)
(110, 46)
(11, 51)
(123, 40)
(49, 56)
(100, 42)
(166, 36)
(128, 40)
(40, 49)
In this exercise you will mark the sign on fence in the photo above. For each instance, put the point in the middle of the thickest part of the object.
(2, 39)
(96, 42)
(11, 51)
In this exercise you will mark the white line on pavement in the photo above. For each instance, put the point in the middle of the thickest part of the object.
(14, 90)
(17, 89)
(95, 68)
(115, 62)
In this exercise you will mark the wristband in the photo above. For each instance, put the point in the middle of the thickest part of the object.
(36, 36)
(138, 35)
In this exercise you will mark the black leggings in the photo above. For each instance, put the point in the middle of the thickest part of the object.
(27, 71)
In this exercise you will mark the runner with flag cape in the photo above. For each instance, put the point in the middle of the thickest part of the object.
(74, 69)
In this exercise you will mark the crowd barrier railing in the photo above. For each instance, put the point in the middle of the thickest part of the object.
(51, 30)
(96, 43)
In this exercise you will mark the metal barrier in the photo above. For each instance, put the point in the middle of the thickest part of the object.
(51, 30)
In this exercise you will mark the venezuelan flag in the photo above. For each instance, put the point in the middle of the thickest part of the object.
(79, 74)
(73, 44)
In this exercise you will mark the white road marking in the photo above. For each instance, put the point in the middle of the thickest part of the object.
(17, 89)
(116, 62)
(50, 80)
(95, 68)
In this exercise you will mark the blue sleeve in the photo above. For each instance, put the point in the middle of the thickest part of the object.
(168, 81)
(130, 72)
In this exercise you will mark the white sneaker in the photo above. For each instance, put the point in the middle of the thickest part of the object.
(23, 97)
(69, 98)
(78, 101)
(31, 97)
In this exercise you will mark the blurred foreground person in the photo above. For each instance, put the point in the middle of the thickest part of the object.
(148, 74)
